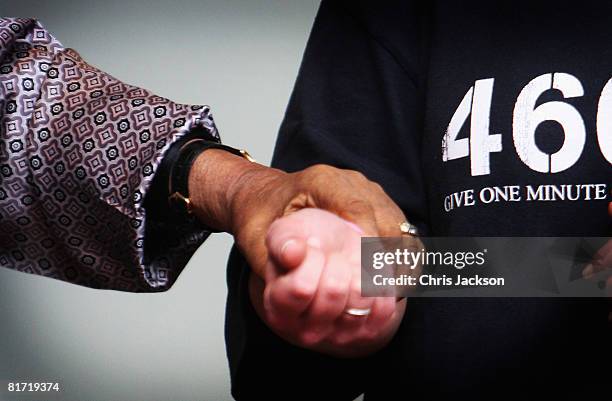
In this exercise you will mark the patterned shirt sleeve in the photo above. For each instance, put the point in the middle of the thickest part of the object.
(78, 152)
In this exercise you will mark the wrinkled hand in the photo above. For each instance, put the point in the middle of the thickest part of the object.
(243, 198)
(231, 194)
(311, 278)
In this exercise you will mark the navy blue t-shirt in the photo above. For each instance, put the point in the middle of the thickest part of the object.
(434, 100)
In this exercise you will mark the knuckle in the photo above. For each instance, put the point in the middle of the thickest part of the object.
(320, 175)
(369, 335)
(320, 170)
(277, 301)
(309, 338)
(356, 175)
(358, 206)
(342, 340)
(302, 291)
(376, 187)
(334, 290)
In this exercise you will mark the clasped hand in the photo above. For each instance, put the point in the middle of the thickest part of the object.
(312, 278)
(304, 261)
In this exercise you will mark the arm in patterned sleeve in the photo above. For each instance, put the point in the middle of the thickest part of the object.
(78, 152)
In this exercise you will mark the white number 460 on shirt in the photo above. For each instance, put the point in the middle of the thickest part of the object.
(526, 118)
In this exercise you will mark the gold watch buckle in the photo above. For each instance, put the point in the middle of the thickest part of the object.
(247, 156)
(178, 197)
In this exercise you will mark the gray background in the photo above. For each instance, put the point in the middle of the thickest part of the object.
(241, 58)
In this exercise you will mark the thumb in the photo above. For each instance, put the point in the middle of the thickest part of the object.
(290, 236)
(290, 254)
(286, 245)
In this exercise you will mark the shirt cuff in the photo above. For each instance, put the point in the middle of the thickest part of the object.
(156, 201)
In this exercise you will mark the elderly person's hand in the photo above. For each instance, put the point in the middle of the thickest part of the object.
(231, 194)
(312, 284)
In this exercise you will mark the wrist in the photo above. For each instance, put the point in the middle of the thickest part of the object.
(210, 177)
(217, 180)
(248, 195)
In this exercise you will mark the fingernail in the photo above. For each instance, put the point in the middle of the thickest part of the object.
(286, 246)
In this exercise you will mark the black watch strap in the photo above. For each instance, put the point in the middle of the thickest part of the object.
(178, 183)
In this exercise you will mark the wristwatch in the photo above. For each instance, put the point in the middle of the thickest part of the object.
(178, 178)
